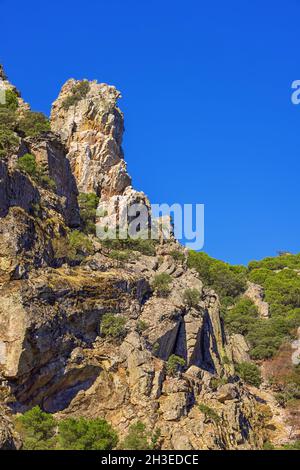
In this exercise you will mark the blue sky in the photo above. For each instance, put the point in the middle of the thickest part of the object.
(207, 100)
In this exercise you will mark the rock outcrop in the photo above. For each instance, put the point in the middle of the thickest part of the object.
(255, 293)
(52, 350)
(9, 439)
(92, 130)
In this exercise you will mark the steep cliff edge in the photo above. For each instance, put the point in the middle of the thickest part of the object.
(59, 287)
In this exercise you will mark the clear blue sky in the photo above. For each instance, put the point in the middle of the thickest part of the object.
(206, 94)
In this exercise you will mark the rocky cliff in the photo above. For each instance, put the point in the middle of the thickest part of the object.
(57, 285)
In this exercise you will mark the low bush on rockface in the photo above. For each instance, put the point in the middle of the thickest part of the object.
(178, 255)
(27, 164)
(14, 125)
(209, 413)
(11, 100)
(174, 364)
(217, 382)
(8, 142)
(144, 246)
(8, 120)
(191, 297)
(281, 282)
(249, 372)
(139, 439)
(41, 431)
(86, 434)
(121, 256)
(31, 124)
(88, 203)
(37, 430)
(161, 284)
(228, 281)
(78, 92)
(264, 336)
(74, 246)
(241, 317)
(113, 326)
(80, 243)
(141, 326)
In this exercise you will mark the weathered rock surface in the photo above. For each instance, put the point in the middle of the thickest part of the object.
(239, 348)
(52, 352)
(255, 293)
(9, 440)
(49, 152)
(92, 130)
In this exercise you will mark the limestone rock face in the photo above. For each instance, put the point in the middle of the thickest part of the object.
(53, 351)
(239, 348)
(92, 130)
(9, 440)
(49, 151)
(255, 293)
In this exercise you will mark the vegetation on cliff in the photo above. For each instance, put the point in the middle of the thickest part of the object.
(15, 124)
(41, 431)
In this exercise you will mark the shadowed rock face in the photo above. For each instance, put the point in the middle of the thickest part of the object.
(16, 190)
(52, 351)
(49, 151)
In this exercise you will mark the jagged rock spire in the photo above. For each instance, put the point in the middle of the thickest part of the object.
(90, 124)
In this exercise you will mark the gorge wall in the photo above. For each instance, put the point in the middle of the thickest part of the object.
(53, 300)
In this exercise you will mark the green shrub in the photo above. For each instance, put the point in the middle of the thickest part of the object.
(40, 431)
(178, 255)
(62, 250)
(37, 429)
(8, 142)
(79, 242)
(161, 284)
(174, 364)
(241, 318)
(32, 124)
(268, 446)
(47, 182)
(249, 372)
(11, 100)
(146, 247)
(141, 326)
(86, 434)
(88, 203)
(27, 164)
(139, 439)
(78, 92)
(191, 297)
(113, 326)
(216, 382)
(121, 256)
(74, 246)
(8, 118)
(209, 413)
(226, 280)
